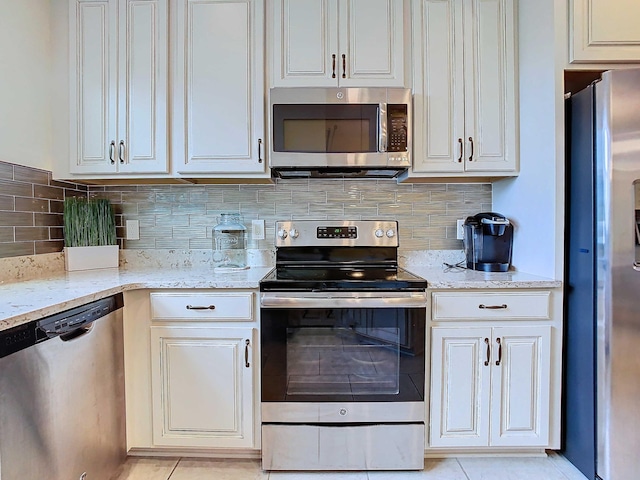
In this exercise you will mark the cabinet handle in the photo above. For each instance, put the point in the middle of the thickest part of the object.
(471, 156)
(246, 353)
(499, 352)
(259, 150)
(344, 66)
(482, 306)
(333, 66)
(488, 360)
(461, 150)
(197, 307)
(112, 149)
(121, 151)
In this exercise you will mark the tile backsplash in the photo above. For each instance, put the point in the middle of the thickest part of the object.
(182, 216)
(31, 210)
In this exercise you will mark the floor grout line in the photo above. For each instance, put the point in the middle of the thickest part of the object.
(462, 468)
(174, 468)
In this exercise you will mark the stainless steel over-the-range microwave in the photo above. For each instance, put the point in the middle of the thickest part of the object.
(340, 131)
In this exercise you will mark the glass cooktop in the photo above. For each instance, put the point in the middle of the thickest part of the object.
(341, 278)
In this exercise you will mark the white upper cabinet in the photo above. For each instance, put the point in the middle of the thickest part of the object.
(465, 121)
(218, 88)
(118, 86)
(604, 31)
(328, 43)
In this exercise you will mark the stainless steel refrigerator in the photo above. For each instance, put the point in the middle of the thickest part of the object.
(601, 396)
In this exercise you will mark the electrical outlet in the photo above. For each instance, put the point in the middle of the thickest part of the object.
(132, 229)
(257, 229)
(460, 229)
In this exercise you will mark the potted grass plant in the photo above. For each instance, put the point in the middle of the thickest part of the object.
(89, 234)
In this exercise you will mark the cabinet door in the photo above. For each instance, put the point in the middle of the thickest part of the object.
(202, 388)
(304, 43)
(460, 387)
(603, 31)
(371, 43)
(93, 49)
(325, 43)
(438, 86)
(218, 87)
(489, 70)
(142, 94)
(521, 369)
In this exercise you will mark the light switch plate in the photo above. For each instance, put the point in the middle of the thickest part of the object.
(132, 229)
(257, 229)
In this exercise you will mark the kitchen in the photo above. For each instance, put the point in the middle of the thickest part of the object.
(541, 54)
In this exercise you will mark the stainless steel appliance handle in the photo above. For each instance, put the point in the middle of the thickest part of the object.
(338, 300)
(382, 128)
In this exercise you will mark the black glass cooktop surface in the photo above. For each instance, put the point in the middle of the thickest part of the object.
(361, 278)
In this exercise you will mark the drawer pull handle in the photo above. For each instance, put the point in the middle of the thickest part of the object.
(196, 307)
(488, 360)
(482, 306)
(333, 66)
(499, 352)
(246, 353)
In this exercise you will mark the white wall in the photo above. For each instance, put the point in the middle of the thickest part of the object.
(25, 83)
(534, 200)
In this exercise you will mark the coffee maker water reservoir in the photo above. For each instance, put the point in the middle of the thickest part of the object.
(488, 242)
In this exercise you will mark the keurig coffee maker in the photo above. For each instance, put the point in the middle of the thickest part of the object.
(488, 241)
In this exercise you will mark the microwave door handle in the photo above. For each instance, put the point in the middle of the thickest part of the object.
(382, 128)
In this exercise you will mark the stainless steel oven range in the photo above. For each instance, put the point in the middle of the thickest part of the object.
(343, 350)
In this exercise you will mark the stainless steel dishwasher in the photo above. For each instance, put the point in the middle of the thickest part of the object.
(62, 395)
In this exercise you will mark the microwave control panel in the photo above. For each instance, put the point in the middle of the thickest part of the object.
(397, 125)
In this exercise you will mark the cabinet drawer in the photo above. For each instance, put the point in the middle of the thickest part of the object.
(233, 306)
(493, 305)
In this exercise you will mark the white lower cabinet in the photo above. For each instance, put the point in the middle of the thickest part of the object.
(490, 386)
(191, 360)
(202, 386)
(496, 369)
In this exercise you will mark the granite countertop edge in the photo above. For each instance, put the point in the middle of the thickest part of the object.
(29, 300)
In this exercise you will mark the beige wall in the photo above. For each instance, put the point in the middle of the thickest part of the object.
(25, 83)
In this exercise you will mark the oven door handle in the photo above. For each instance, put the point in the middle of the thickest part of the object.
(327, 300)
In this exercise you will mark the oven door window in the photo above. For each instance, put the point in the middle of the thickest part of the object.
(325, 128)
(339, 354)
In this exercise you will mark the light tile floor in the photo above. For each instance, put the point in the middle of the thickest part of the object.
(552, 467)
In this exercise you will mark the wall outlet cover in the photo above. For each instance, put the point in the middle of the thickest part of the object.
(257, 229)
(460, 229)
(132, 230)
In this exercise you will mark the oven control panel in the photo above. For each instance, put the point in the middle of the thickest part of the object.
(337, 232)
(313, 233)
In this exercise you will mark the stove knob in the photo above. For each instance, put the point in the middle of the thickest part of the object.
(282, 234)
(379, 233)
(293, 233)
(390, 233)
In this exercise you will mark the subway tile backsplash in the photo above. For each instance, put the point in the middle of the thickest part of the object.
(31, 210)
(182, 216)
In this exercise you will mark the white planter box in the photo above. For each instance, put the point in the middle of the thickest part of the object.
(90, 258)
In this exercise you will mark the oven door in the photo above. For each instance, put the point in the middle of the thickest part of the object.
(343, 347)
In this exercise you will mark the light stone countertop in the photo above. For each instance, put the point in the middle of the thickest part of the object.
(23, 301)
(34, 287)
